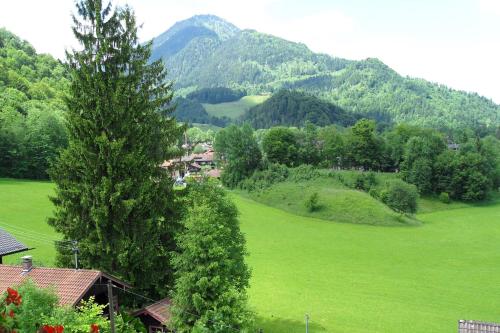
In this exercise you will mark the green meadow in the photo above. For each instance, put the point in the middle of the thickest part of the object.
(235, 109)
(24, 209)
(347, 277)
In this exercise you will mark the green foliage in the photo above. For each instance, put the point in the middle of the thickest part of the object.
(364, 181)
(211, 275)
(237, 146)
(469, 173)
(32, 89)
(216, 95)
(419, 157)
(364, 146)
(197, 135)
(332, 147)
(444, 197)
(35, 305)
(111, 195)
(400, 196)
(280, 146)
(78, 320)
(295, 108)
(262, 179)
(303, 172)
(312, 202)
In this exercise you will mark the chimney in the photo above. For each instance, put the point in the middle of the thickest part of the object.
(27, 264)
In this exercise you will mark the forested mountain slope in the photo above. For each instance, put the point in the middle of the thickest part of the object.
(206, 51)
(32, 89)
(292, 108)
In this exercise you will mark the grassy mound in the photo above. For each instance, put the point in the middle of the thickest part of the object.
(337, 202)
(234, 110)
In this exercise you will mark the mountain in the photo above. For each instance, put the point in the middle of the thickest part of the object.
(32, 92)
(206, 52)
(294, 108)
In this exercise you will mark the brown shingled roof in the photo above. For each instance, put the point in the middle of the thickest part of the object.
(160, 311)
(69, 284)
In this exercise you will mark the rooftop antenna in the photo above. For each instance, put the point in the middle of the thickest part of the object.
(75, 250)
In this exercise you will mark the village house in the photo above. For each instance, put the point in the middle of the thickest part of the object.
(9, 245)
(70, 285)
(156, 316)
(195, 165)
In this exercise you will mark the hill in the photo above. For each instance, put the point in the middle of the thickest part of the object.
(206, 51)
(337, 201)
(32, 91)
(294, 108)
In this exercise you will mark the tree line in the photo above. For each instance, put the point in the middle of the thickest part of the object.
(463, 166)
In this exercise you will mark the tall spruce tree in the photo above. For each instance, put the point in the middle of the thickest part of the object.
(212, 277)
(111, 196)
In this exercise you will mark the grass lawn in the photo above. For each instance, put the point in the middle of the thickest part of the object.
(235, 109)
(24, 209)
(359, 278)
(347, 277)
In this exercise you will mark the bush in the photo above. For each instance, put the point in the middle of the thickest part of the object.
(303, 173)
(312, 203)
(400, 196)
(263, 179)
(364, 181)
(444, 197)
(374, 193)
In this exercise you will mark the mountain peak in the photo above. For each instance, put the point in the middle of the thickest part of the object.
(220, 27)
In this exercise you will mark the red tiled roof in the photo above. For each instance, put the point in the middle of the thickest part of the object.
(214, 173)
(69, 284)
(160, 311)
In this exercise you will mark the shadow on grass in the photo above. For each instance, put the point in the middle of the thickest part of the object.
(278, 325)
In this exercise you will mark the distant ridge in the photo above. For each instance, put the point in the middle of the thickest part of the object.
(206, 51)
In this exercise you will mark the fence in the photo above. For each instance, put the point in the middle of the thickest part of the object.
(472, 326)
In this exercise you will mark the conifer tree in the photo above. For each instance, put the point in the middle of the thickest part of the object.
(211, 275)
(111, 195)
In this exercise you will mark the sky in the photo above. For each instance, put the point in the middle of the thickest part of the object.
(452, 42)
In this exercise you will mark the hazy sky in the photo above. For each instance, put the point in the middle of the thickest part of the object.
(454, 42)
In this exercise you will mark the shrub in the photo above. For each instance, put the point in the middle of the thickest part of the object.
(374, 193)
(364, 181)
(303, 173)
(312, 202)
(444, 197)
(263, 179)
(400, 196)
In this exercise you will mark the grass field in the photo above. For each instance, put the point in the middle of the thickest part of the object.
(347, 277)
(235, 109)
(24, 208)
(358, 278)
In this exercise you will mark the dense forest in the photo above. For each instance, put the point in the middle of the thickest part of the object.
(32, 89)
(260, 63)
(293, 108)
(216, 95)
